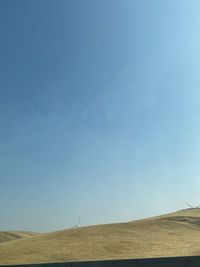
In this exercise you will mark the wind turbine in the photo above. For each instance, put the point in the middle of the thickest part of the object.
(193, 207)
(78, 223)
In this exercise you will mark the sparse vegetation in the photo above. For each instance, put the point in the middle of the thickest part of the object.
(174, 234)
(10, 236)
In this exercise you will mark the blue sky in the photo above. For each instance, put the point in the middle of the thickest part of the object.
(99, 111)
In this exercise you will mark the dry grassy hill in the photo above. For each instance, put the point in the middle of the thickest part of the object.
(174, 234)
(10, 236)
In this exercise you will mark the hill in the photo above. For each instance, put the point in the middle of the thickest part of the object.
(10, 236)
(174, 234)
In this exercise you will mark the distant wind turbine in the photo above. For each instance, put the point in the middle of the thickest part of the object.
(78, 223)
(193, 207)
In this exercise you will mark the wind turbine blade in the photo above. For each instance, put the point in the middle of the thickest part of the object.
(189, 205)
(79, 220)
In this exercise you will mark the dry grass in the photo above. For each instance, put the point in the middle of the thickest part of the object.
(10, 236)
(175, 234)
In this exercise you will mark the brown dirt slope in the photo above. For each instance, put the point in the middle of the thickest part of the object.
(175, 234)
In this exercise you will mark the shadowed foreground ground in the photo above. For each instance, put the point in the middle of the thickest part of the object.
(175, 234)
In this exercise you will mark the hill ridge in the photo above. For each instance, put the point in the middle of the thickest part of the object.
(173, 234)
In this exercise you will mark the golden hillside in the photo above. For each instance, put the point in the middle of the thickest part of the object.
(174, 234)
(10, 236)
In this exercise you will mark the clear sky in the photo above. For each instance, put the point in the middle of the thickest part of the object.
(99, 111)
